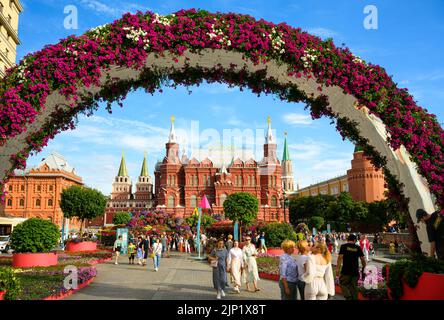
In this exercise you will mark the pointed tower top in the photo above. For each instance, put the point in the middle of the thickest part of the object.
(286, 156)
(144, 171)
(123, 172)
(172, 137)
(269, 139)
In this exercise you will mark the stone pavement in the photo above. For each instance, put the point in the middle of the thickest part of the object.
(180, 277)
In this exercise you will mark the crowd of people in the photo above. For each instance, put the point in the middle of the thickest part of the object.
(311, 273)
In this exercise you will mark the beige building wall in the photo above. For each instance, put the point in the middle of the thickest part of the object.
(332, 187)
(9, 20)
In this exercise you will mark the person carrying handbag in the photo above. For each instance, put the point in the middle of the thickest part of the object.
(218, 261)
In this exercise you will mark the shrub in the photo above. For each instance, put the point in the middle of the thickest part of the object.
(121, 218)
(410, 271)
(34, 236)
(276, 233)
(316, 222)
(9, 283)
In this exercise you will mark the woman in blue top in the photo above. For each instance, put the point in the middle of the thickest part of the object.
(288, 272)
(218, 259)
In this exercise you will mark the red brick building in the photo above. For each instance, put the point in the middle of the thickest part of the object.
(37, 192)
(366, 183)
(180, 182)
(122, 196)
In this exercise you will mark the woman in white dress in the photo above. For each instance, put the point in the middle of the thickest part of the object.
(236, 265)
(249, 252)
(318, 277)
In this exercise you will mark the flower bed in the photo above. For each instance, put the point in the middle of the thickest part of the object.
(48, 283)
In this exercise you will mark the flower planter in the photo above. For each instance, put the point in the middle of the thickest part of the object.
(269, 276)
(275, 251)
(2, 295)
(430, 287)
(85, 246)
(29, 260)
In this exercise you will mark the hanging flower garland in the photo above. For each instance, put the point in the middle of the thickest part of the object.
(127, 42)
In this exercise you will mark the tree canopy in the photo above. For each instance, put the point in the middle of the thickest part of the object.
(121, 218)
(340, 210)
(205, 222)
(83, 203)
(242, 207)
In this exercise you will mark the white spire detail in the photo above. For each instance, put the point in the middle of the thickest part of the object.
(172, 137)
(269, 139)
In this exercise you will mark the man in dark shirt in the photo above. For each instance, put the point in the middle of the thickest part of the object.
(146, 248)
(435, 231)
(348, 267)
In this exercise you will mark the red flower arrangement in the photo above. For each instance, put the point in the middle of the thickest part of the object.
(127, 42)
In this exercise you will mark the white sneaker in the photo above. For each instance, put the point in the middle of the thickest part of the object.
(116, 263)
(218, 296)
(222, 293)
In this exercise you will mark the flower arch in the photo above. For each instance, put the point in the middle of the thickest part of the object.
(44, 93)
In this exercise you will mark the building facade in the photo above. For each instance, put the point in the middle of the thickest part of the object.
(36, 193)
(9, 20)
(363, 181)
(122, 196)
(181, 182)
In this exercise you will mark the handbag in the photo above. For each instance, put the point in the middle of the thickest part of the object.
(152, 255)
(213, 263)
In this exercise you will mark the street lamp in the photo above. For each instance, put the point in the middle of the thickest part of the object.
(285, 204)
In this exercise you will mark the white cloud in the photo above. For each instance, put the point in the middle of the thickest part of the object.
(113, 9)
(323, 32)
(297, 119)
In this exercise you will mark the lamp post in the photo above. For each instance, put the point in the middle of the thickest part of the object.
(285, 204)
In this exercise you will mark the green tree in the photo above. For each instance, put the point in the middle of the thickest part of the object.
(121, 218)
(316, 222)
(301, 209)
(242, 207)
(277, 232)
(205, 222)
(83, 203)
(343, 208)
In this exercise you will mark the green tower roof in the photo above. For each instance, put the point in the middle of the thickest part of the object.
(144, 171)
(359, 148)
(122, 169)
(286, 156)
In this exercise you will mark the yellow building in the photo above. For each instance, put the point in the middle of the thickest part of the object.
(9, 19)
(331, 187)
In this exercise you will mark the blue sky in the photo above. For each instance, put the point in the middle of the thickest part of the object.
(407, 43)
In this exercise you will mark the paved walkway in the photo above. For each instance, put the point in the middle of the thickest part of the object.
(180, 277)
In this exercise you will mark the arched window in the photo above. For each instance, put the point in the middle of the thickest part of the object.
(196, 181)
(9, 202)
(222, 199)
(171, 201)
(37, 203)
(193, 201)
(274, 201)
(50, 202)
(22, 202)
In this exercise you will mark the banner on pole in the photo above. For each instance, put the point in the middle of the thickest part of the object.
(124, 233)
(236, 231)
